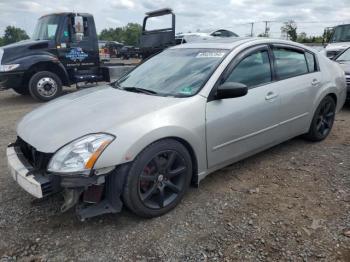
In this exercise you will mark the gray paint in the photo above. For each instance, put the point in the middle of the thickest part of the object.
(220, 132)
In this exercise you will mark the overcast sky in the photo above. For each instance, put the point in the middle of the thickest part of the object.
(311, 15)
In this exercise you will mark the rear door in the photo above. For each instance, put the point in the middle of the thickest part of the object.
(299, 78)
(239, 127)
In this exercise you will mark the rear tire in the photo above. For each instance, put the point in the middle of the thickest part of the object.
(45, 86)
(322, 121)
(158, 178)
(21, 90)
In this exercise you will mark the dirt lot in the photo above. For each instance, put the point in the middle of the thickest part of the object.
(290, 203)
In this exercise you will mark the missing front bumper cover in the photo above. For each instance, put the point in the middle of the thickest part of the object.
(41, 185)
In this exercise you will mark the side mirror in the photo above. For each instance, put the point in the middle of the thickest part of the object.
(231, 90)
(78, 27)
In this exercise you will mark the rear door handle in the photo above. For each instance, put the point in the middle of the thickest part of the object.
(315, 82)
(270, 96)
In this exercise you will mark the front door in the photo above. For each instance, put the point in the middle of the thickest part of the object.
(75, 53)
(239, 127)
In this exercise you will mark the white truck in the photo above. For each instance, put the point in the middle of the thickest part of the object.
(339, 41)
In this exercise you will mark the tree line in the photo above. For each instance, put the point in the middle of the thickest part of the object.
(13, 34)
(129, 34)
(290, 28)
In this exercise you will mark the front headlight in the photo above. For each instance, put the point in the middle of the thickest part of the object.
(79, 155)
(6, 68)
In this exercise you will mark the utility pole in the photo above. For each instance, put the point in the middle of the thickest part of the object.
(252, 29)
(267, 29)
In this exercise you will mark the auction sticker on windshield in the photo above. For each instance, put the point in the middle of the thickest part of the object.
(210, 54)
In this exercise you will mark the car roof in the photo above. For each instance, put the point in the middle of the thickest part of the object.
(233, 42)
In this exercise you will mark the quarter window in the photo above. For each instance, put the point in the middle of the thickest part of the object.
(289, 63)
(310, 58)
(253, 70)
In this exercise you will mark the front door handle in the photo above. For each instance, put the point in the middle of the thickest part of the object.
(270, 96)
(315, 82)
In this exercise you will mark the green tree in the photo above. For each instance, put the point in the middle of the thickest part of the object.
(327, 34)
(132, 33)
(290, 28)
(128, 34)
(14, 34)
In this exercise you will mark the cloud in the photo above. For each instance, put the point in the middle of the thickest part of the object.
(114, 21)
(123, 4)
(190, 15)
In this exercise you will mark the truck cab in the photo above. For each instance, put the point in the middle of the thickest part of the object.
(339, 41)
(63, 51)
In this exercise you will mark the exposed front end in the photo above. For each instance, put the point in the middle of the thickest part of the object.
(90, 192)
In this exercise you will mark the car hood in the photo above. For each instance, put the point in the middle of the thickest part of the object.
(337, 46)
(57, 123)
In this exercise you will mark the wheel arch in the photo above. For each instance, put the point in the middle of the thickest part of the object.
(50, 66)
(187, 145)
(334, 96)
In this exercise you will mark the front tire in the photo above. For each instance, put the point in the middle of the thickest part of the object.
(45, 86)
(158, 178)
(322, 121)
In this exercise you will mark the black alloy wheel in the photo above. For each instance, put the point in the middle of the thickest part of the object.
(323, 120)
(162, 179)
(158, 178)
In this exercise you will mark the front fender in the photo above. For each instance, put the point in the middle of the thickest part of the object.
(27, 62)
(184, 120)
(124, 150)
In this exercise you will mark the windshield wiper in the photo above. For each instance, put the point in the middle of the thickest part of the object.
(139, 90)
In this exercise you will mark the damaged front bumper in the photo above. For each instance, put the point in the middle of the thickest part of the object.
(27, 177)
(91, 195)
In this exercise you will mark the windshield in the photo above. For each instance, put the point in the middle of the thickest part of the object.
(46, 28)
(344, 56)
(174, 72)
(341, 34)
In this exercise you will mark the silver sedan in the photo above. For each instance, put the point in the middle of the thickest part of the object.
(171, 121)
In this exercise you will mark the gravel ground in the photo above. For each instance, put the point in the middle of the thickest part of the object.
(290, 203)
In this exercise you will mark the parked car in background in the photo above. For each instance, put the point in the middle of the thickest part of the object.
(174, 119)
(183, 38)
(344, 60)
(114, 48)
(104, 51)
(127, 52)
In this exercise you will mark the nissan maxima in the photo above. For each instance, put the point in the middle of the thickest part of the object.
(179, 116)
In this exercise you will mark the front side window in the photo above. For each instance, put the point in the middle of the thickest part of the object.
(174, 72)
(253, 70)
(46, 28)
(289, 63)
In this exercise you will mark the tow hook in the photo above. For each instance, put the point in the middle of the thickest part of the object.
(71, 198)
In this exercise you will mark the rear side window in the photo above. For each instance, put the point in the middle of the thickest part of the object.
(253, 70)
(310, 58)
(289, 63)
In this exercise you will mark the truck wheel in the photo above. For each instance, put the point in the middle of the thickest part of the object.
(23, 90)
(45, 86)
(158, 178)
